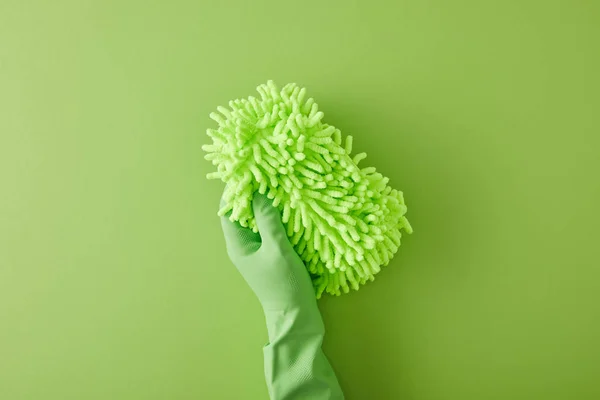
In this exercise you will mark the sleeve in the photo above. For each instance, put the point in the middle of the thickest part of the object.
(295, 366)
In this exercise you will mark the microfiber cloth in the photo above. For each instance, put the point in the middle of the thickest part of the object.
(345, 222)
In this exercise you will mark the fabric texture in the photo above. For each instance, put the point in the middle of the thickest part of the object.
(343, 221)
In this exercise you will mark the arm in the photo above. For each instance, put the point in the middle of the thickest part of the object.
(295, 366)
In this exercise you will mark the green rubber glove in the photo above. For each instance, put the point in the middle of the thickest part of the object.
(295, 366)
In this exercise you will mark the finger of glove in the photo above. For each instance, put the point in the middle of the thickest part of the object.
(240, 241)
(268, 220)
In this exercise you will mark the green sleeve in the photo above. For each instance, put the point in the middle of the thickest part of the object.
(295, 365)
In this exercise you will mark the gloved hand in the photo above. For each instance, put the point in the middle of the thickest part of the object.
(268, 261)
(295, 366)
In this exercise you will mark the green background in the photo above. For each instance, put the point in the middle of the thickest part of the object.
(114, 281)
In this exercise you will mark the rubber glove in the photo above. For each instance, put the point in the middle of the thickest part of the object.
(295, 366)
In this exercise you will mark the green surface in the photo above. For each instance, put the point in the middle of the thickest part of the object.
(114, 281)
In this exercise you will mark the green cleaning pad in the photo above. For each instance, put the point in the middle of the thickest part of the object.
(344, 221)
